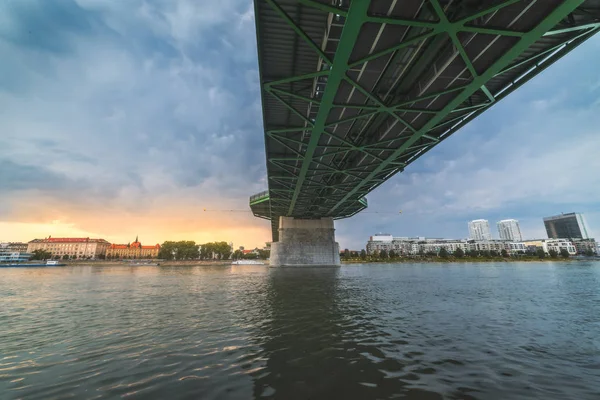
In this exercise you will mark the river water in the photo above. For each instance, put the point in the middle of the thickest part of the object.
(423, 331)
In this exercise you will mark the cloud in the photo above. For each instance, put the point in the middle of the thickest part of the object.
(129, 112)
(532, 155)
(123, 118)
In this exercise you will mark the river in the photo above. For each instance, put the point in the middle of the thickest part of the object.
(423, 331)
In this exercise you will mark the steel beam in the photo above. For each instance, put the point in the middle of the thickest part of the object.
(354, 21)
(524, 42)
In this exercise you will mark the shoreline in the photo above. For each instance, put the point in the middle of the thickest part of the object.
(466, 260)
(150, 263)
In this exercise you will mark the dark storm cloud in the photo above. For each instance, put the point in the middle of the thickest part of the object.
(119, 103)
(17, 177)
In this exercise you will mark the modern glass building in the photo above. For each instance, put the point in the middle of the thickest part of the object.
(571, 225)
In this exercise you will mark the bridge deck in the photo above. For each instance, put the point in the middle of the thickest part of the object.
(352, 94)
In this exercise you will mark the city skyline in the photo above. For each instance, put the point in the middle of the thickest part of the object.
(136, 118)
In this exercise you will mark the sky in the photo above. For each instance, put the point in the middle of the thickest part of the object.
(125, 118)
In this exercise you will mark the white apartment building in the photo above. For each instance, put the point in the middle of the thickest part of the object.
(497, 246)
(583, 245)
(479, 229)
(553, 244)
(413, 246)
(509, 229)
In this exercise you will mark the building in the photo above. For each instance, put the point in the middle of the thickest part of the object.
(420, 245)
(479, 229)
(509, 229)
(497, 246)
(585, 245)
(571, 225)
(73, 248)
(132, 250)
(552, 244)
(9, 254)
(15, 246)
(403, 246)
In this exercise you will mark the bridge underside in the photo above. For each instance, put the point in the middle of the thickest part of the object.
(354, 93)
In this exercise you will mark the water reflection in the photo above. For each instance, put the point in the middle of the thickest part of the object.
(373, 332)
(323, 342)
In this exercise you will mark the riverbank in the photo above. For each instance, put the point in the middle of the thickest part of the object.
(133, 263)
(466, 260)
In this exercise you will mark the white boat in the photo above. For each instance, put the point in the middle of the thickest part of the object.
(52, 263)
(247, 262)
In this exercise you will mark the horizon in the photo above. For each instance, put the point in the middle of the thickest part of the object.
(133, 121)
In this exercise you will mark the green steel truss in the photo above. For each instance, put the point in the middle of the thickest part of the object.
(346, 134)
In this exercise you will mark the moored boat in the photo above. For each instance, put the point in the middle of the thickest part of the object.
(247, 262)
(49, 263)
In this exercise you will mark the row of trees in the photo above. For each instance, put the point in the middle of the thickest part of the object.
(215, 250)
(189, 250)
(182, 250)
(259, 255)
(41, 255)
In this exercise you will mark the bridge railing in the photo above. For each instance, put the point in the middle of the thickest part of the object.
(259, 197)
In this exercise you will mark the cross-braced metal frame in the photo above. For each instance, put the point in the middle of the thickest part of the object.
(354, 93)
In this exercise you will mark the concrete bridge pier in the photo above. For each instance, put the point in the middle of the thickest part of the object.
(305, 243)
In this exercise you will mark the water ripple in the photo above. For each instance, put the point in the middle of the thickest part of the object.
(359, 332)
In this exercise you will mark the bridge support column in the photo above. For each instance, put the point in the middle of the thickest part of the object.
(305, 243)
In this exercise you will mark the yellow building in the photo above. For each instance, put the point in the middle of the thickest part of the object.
(74, 248)
(132, 250)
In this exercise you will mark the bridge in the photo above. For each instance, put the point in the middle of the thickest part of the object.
(355, 91)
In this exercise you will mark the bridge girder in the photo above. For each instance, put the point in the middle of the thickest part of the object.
(385, 85)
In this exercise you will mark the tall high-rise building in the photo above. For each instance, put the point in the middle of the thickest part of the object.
(509, 229)
(571, 225)
(479, 229)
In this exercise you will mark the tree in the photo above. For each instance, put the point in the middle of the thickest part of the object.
(589, 253)
(504, 253)
(392, 254)
(237, 255)
(564, 253)
(346, 253)
(264, 254)
(443, 252)
(553, 253)
(459, 253)
(383, 254)
(540, 253)
(493, 253)
(363, 254)
(65, 257)
(40, 255)
(182, 250)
